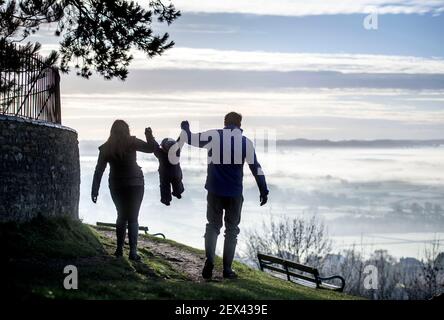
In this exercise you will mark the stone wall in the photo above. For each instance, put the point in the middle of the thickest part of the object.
(39, 170)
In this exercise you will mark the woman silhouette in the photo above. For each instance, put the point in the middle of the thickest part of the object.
(126, 181)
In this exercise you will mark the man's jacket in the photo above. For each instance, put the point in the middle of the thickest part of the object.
(228, 150)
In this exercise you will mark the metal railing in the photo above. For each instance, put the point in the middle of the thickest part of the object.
(33, 88)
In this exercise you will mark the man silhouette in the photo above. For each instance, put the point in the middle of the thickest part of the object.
(228, 150)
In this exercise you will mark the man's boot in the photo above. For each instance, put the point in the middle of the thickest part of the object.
(229, 250)
(210, 252)
(120, 234)
(133, 233)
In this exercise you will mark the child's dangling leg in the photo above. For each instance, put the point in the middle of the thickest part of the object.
(178, 188)
(165, 191)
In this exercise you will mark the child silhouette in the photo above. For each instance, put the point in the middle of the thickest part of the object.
(170, 174)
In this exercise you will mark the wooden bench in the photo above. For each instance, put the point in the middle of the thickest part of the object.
(299, 273)
(141, 228)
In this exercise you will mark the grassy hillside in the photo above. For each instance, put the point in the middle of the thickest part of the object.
(37, 252)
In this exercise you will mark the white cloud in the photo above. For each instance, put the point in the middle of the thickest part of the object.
(211, 59)
(312, 7)
(382, 104)
(181, 58)
(312, 113)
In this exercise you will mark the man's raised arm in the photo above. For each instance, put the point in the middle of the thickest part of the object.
(194, 139)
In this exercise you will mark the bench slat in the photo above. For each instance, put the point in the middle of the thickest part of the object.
(288, 263)
(113, 225)
(292, 274)
(329, 286)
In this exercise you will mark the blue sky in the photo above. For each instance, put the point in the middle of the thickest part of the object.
(305, 69)
(413, 34)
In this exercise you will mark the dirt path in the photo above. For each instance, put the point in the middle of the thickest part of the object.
(182, 260)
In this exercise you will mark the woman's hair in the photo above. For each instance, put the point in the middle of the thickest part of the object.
(119, 139)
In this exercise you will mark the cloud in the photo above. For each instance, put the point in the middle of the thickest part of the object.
(182, 58)
(312, 7)
(212, 59)
(310, 113)
(200, 28)
(372, 104)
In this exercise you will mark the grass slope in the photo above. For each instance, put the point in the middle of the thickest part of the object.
(37, 253)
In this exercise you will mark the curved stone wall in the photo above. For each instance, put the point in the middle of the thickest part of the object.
(39, 170)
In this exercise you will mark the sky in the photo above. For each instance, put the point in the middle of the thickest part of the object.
(301, 69)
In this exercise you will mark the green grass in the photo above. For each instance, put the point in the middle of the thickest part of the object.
(37, 252)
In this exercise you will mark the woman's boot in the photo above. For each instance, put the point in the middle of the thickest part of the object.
(133, 233)
(120, 234)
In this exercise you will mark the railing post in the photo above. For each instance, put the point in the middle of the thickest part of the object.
(57, 99)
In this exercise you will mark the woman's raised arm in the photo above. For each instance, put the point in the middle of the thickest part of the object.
(149, 146)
